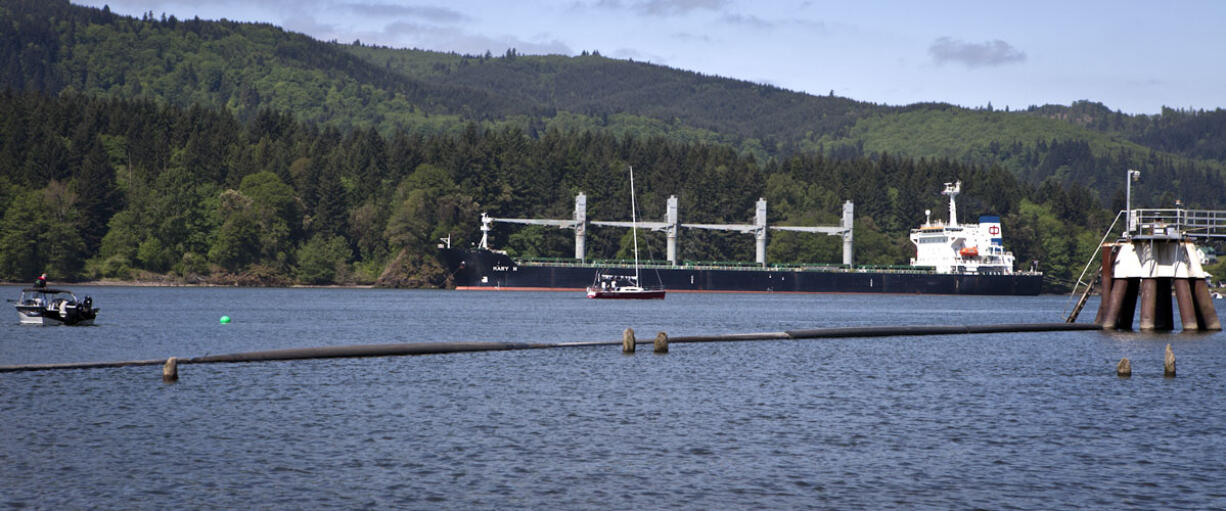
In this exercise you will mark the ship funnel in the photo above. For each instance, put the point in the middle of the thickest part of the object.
(991, 228)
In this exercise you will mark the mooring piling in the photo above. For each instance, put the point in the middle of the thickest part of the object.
(661, 343)
(1149, 304)
(170, 371)
(1187, 310)
(1105, 282)
(1206, 314)
(1124, 368)
(628, 341)
(1168, 362)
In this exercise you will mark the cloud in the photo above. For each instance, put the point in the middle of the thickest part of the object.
(652, 7)
(437, 38)
(604, 4)
(633, 54)
(308, 25)
(990, 53)
(1148, 82)
(693, 38)
(818, 27)
(750, 21)
(674, 7)
(435, 14)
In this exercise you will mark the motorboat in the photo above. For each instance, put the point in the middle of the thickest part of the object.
(50, 306)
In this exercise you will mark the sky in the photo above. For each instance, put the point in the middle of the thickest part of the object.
(1132, 56)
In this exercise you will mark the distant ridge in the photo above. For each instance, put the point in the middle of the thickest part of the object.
(53, 46)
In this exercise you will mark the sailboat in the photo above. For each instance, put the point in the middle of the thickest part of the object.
(625, 287)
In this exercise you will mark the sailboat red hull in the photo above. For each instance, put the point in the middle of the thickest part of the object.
(645, 294)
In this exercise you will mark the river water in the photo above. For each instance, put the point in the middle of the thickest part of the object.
(994, 421)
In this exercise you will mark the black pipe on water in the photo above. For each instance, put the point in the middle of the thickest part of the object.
(365, 350)
(436, 348)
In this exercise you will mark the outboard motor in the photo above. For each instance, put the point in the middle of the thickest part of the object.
(87, 304)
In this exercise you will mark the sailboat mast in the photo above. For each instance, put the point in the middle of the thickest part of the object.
(634, 230)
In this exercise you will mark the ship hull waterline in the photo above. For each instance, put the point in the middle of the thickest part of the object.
(489, 270)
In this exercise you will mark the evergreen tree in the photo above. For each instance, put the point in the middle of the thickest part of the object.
(98, 200)
(330, 217)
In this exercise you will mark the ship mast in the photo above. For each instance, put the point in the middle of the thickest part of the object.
(952, 191)
(634, 228)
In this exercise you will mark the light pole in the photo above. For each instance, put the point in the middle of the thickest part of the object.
(1133, 175)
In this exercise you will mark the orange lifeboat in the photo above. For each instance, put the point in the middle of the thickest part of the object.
(969, 252)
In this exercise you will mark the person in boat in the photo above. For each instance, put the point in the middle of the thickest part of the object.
(41, 281)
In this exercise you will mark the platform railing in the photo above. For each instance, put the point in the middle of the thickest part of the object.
(1193, 223)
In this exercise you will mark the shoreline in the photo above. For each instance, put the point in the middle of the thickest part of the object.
(154, 283)
(151, 283)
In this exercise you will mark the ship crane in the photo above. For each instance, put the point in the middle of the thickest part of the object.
(671, 226)
(844, 229)
(578, 223)
(758, 229)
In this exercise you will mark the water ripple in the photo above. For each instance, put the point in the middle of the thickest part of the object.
(1002, 421)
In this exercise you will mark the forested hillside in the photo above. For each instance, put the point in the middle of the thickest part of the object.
(243, 67)
(1065, 152)
(237, 152)
(1085, 143)
(761, 116)
(99, 188)
(1190, 133)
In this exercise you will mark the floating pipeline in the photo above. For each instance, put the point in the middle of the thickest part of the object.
(438, 348)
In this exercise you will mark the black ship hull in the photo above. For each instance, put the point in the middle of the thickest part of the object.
(485, 269)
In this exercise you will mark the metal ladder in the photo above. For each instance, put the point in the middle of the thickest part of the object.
(1081, 303)
(1085, 295)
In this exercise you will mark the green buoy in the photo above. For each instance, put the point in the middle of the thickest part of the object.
(225, 320)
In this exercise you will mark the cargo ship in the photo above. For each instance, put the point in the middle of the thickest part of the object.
(951, 258)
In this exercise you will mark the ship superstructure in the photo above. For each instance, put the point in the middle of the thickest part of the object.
(951, 247)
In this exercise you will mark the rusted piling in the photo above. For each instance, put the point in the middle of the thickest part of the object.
(628, 341)
(1124, 368)
(1187, 309)
(1168, 363)
(661, 343)
(1106, 278)
(1115, 309)
(1156, 305)
(1149, 304)
(1206, 315)
(170, 371)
